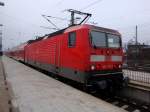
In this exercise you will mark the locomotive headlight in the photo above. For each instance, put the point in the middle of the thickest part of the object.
(92, 67)
(119, 66)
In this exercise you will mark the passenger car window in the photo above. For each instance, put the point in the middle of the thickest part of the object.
(72, 39)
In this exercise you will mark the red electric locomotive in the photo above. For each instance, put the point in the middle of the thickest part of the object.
(87, 54)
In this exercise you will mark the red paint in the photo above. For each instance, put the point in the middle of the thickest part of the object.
(55, 51)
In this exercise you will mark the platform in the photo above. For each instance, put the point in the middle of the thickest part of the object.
(4, 94)
(35, 92)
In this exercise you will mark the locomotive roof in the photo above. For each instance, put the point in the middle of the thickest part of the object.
(87, 26)
(49, 35)
(73, 28)
(19, 47)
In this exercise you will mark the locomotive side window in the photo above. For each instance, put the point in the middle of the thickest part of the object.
(72, 39)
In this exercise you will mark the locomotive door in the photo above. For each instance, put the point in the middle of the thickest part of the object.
(58, 55)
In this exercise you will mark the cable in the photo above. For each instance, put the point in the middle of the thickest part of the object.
(45, 27)
(59, 2)
(44, 16)
(15, 19)
(91, 4)
(63, 19)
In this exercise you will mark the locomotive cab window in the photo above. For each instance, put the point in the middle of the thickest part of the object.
(114, 41)
(98, 39)
(72, 39)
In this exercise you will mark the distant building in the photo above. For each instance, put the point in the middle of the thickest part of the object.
(138, 55)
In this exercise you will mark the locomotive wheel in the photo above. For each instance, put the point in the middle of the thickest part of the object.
(89, 88)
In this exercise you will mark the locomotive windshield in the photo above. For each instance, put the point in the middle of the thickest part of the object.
(113, 41)
(101, 39)
(98, 39)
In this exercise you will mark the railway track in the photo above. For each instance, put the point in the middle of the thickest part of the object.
(127, 104)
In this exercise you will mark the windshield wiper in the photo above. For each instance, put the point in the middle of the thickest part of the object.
(94, 46)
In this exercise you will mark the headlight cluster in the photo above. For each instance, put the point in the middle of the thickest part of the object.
(92, 67)
(120, 66)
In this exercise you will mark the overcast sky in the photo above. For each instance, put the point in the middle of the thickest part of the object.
(22, 18)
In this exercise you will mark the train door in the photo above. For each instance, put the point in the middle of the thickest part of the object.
(24, 55)
(58, 55)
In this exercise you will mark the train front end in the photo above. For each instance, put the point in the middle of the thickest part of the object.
(105, 59)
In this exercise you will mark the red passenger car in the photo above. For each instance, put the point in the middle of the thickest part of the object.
(84, 53)
(17, 52)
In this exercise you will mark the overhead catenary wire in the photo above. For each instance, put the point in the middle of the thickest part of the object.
(64, 19)
(88, 6)
(25, 25)
(15, 19)
(91, 4)
(60, 2)
(22, 21)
